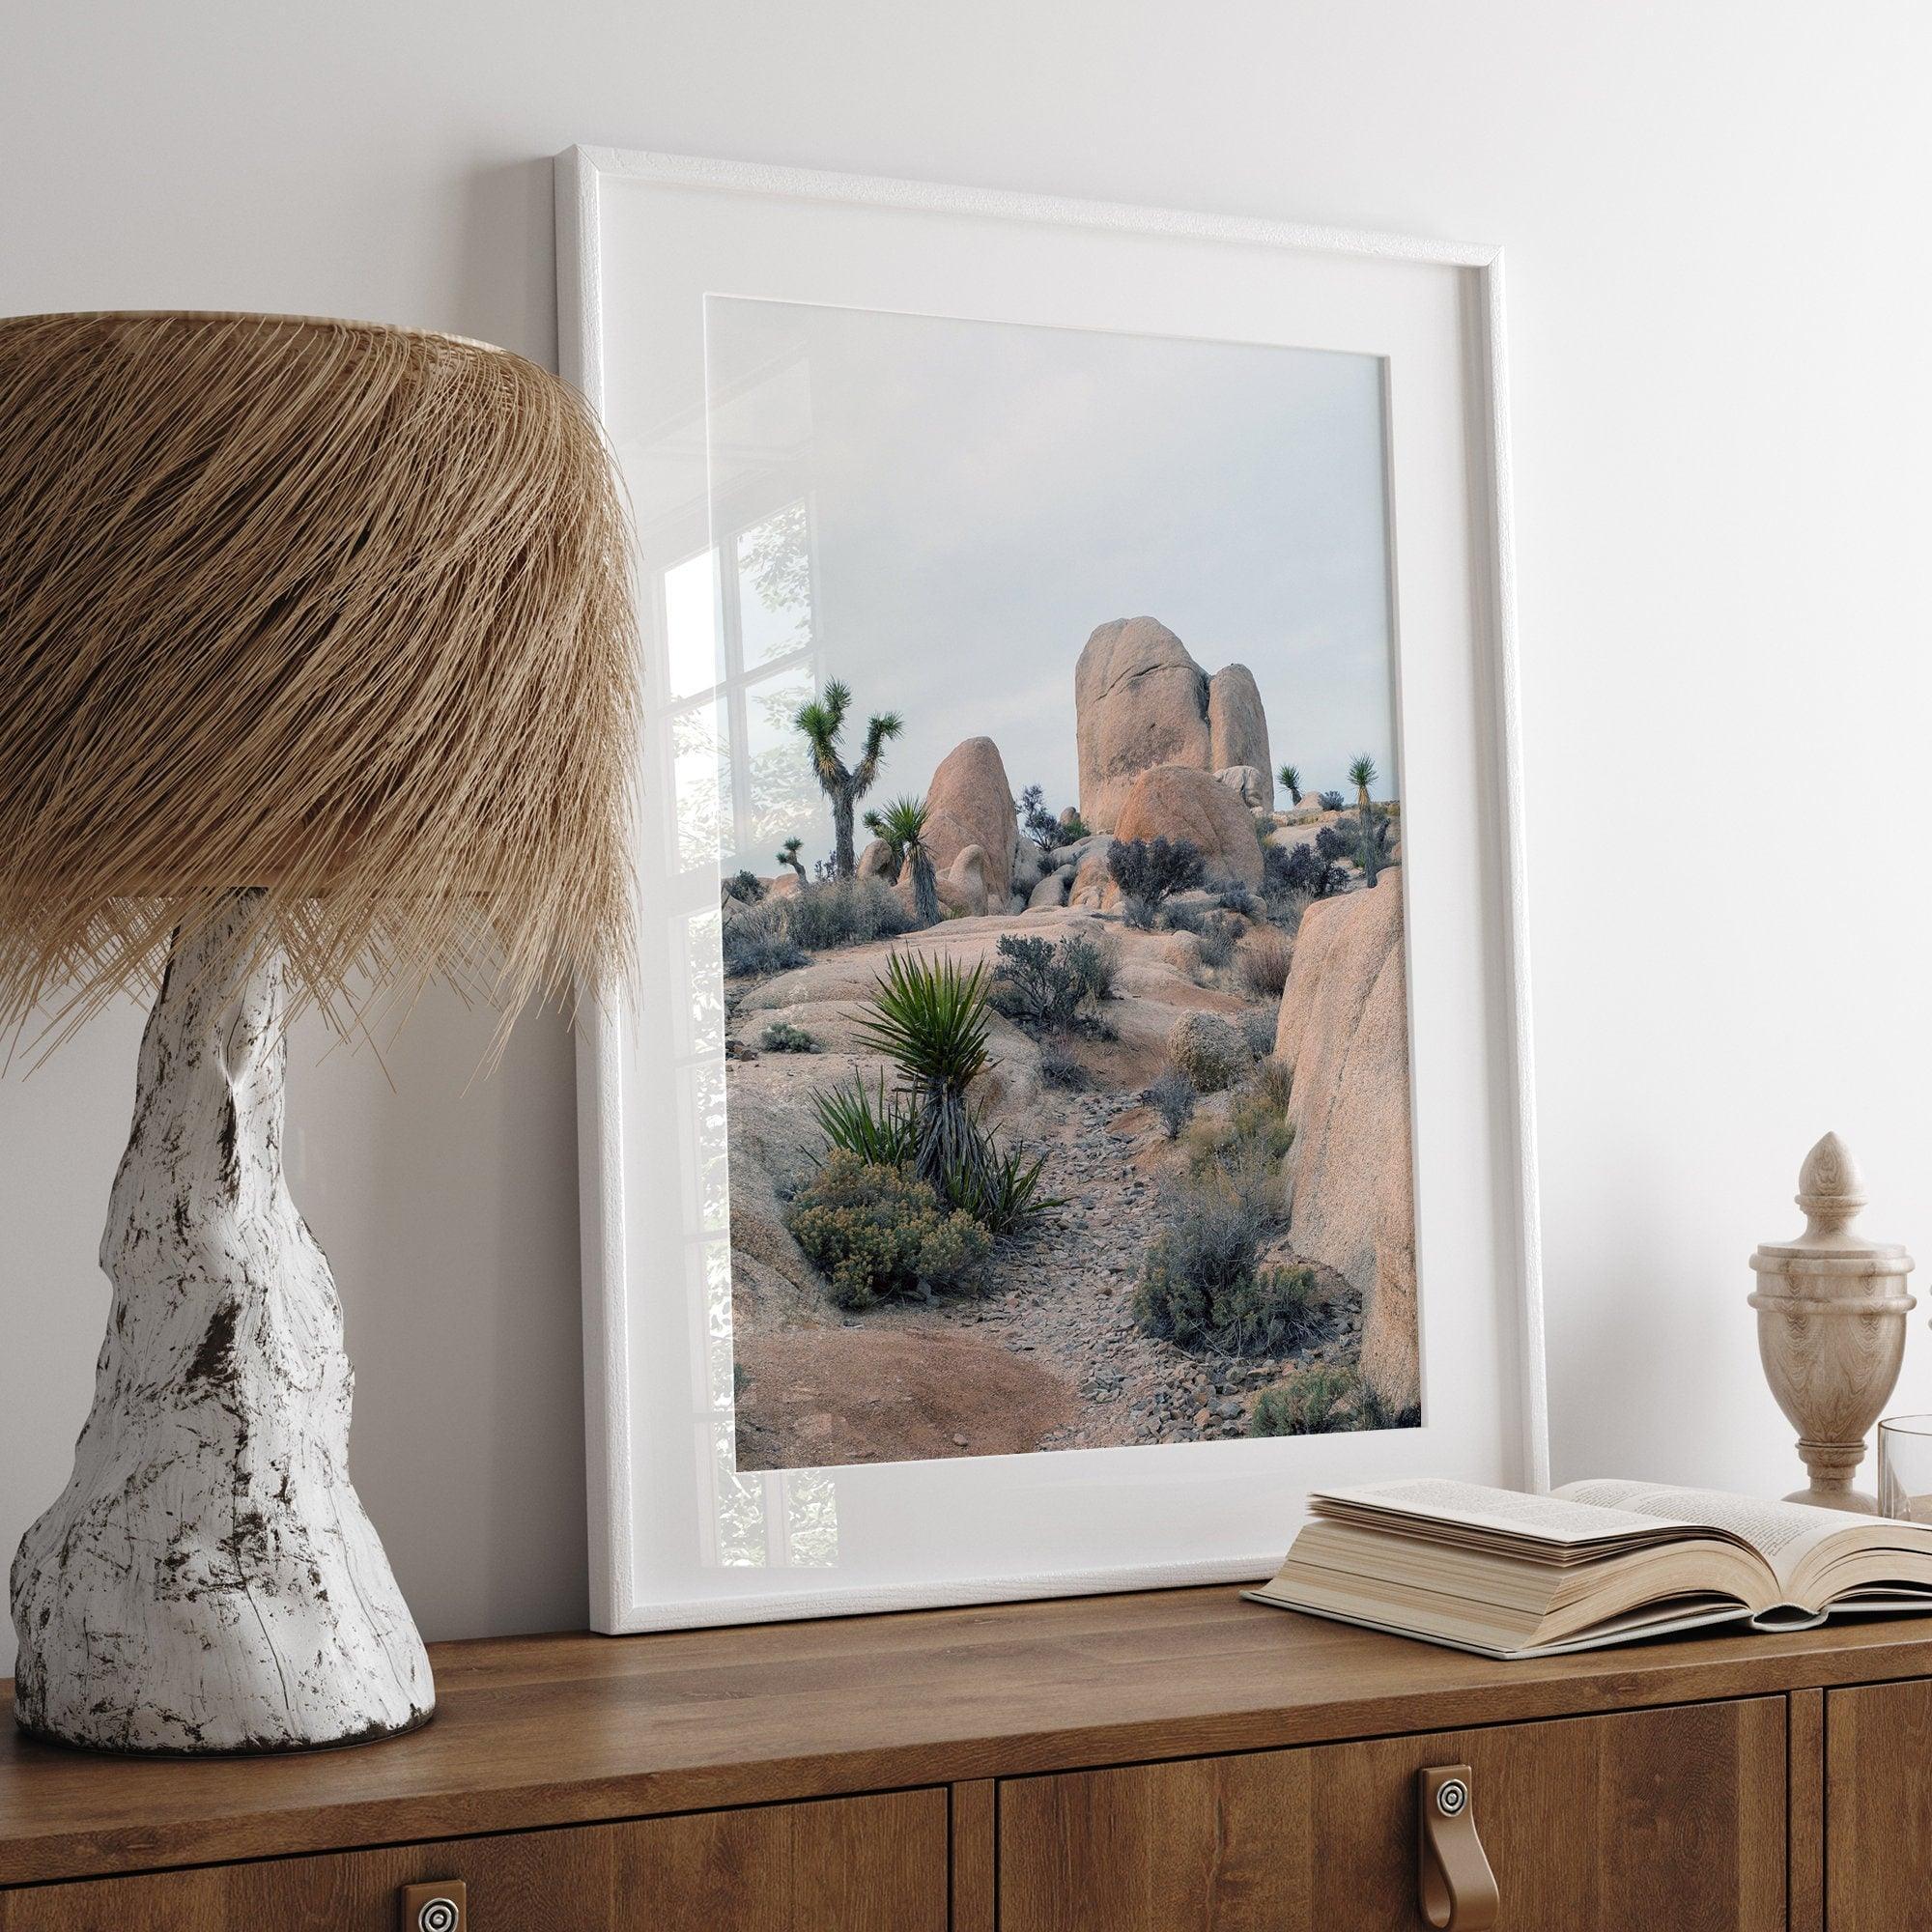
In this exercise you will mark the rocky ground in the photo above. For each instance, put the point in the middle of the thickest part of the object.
(1047, 1355)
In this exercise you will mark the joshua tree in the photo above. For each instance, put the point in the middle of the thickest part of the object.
(901, 824)
(788, 856)
(1362, 774)
(1291, 778)
(821, 721)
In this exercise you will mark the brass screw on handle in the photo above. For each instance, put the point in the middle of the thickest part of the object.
(1455, 1886)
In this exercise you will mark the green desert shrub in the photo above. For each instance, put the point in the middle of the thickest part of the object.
(1238, 1156)
(758, 941)
(1038, 984)
(1314, 1399)
(781, 1036)
(1201, 1288)
(1171, 1096)
(1210, 1050)
(1152, 868)
(876, 1233)
(742, 887)
(1217, 934)
(1330, 801)
(846, 911)
(1273, 1082)
(1258, 1030)
(1264, 958)
(1234, 897)
(1137, 913)
(1060, 1067)
(1302, 871)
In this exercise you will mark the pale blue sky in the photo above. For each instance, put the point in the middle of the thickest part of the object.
(985, 493)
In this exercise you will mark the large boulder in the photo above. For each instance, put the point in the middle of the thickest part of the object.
(1250, 784)
(1178, 802)
(1052, 890)
(1093, 883)
(968, 877)
(875, 861)
(970, 803)
(1139, 700)
(1238, 728)
(1344, 1032)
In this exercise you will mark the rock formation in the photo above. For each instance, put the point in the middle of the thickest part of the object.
(875, 861)
(1344, 1032)
(1140, 700)
(970, 803)
(1180, 802)
(1250, 784)
(1238, 728)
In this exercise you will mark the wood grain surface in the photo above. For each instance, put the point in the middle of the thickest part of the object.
(569, 1730)
(850, 1864)
(1656, 1819)
(1878, 1808)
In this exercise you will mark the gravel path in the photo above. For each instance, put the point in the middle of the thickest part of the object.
(1063, 1298)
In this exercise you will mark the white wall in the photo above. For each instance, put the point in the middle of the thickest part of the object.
(1722, 401)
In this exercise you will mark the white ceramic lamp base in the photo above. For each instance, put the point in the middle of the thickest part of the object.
(207, 1581)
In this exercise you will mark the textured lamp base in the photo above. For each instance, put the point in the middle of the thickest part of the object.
(207, 1581)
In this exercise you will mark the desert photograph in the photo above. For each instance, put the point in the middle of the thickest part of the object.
(1060, 836)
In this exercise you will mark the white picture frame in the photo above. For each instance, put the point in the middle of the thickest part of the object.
(641, 239)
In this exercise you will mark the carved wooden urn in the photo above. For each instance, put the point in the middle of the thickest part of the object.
(1831, 1325)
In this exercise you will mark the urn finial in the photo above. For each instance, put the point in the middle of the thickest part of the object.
(1831, 1325)
(1830, 1189)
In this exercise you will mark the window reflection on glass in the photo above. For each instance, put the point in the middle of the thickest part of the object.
(775, 586)
(780, 797)
(691, 625)
(740, 659)
(700, 775)
(812, 1518)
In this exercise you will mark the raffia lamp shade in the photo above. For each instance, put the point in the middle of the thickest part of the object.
(335, 611)
(318, 679)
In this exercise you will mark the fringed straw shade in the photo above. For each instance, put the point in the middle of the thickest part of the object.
(333, 609)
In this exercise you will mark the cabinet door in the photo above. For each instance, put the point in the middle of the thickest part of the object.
(849, 1864)
(1878, 1808)
(1669, 1821)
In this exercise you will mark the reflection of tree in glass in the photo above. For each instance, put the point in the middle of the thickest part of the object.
(703, 786)
(812, 1518)
(738, 1504)
(776, 559)
(781, 793)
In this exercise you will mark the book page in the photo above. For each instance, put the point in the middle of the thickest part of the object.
(1782, 1533)
(1558, 1518)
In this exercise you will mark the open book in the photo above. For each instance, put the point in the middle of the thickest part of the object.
(1590, 1564)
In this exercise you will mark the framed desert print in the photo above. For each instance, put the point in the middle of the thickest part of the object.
(1076, 1094)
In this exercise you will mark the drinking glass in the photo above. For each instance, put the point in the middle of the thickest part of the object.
(1905, 1467)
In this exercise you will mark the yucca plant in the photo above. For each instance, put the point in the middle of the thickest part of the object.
(931, 1020)
(1362, 774)
(788, 855)
(901, 824)
(1002, 1189)
(821, 721)
(1291, 778)
(880, 1129)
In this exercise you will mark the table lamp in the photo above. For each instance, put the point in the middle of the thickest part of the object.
(318, 682)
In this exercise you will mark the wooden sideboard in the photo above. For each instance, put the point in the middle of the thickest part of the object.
(1169, 1762)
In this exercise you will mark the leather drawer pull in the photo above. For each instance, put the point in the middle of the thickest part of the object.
(1454, 1885)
